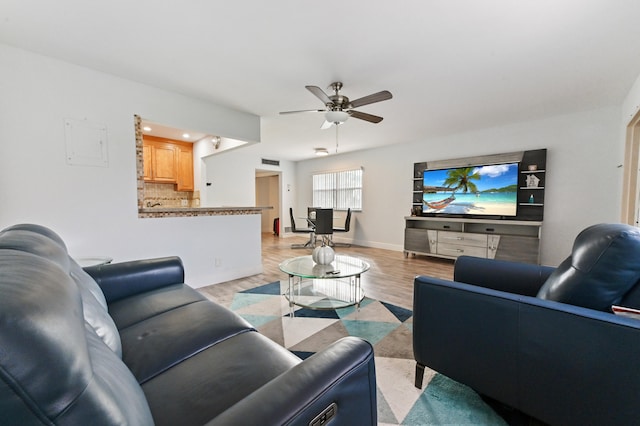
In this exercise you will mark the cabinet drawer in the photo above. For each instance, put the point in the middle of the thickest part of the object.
(456, 250)
(461, 238)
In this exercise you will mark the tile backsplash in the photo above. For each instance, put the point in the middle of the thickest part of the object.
(167, 196)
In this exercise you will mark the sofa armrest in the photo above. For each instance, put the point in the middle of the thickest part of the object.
(567, 352)
(343, 373)
(467, 333)
(560, 363)
(120, 280)
(503, 275)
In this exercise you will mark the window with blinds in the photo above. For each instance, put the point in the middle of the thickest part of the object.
(338, 190)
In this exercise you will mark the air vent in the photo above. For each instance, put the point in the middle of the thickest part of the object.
(271, 162)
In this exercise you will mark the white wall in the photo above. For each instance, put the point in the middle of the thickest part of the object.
(94, 208)
(232, 177)
(583, 179)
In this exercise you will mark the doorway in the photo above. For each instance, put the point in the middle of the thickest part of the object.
(268, 194)
(630, 185)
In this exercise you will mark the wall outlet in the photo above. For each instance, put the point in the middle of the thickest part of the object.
(184, 203)
(218, 262)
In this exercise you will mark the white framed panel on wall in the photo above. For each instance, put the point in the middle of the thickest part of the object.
(86, 143)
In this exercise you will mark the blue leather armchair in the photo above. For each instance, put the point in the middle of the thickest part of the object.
(539, 339)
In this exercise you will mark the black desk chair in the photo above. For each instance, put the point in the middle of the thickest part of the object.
(295, 230)
(324, 225)
(311, 216)
(347, 226)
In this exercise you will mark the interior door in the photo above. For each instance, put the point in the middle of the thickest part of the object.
(268, 194)
(631, 182)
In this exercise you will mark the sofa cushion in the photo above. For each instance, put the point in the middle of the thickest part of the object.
(94, 308)
(35, 243)
(137, 308)
(602, 268)
(158, 343)
(54, 369)
(230, 370)
(44, 243)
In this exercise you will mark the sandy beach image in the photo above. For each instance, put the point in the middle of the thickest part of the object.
(485, 190)
(498, 204)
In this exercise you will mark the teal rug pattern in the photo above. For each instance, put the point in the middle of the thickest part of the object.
(388, 328)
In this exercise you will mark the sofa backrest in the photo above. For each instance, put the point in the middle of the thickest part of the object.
(603, 267)
(59, 359)
(45, 243)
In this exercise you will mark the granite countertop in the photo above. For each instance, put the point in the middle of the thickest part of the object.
(199, 211)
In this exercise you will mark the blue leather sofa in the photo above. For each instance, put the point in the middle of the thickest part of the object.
(131, 344)
(538, 339)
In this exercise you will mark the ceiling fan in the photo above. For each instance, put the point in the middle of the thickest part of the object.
(339, 108)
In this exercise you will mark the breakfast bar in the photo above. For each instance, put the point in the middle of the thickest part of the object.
(158, 212)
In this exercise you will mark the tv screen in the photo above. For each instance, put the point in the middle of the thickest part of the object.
(490, 190)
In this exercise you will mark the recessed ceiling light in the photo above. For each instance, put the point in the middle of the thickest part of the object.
(186, 135)
(146, 128)
(322, 151)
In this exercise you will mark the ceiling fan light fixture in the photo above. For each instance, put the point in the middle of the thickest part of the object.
(321, 152)
(336, 117)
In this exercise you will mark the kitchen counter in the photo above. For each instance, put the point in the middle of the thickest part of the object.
(151, 212)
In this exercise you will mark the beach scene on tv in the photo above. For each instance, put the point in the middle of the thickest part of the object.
(481, 190)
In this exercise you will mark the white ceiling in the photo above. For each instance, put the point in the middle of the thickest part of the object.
(452, 65)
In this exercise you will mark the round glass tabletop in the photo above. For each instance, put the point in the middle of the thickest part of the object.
(342, 266)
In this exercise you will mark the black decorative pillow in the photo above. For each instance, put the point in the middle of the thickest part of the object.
(604, 265)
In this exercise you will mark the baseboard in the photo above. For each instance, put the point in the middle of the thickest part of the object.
(363, 243)
(230, 275)
(376, 244)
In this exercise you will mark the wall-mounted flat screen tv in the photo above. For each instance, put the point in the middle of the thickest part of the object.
(489, 190)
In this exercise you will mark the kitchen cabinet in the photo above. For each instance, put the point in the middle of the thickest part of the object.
(168, 161)
(185, 168)
(147, 152)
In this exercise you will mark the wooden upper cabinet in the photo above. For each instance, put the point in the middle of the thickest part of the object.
(164, 163)
(147, 153)
(168, 161)
(185, 168)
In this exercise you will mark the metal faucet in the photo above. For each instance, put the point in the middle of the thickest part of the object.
(152, 205)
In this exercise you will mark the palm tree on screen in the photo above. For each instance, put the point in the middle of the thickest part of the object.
(461, 179)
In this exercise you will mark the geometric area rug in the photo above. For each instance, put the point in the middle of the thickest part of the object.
(441, 401)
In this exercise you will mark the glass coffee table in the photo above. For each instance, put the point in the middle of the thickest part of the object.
(332, 286)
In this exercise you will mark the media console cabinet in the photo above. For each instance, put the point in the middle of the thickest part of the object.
(516, 238)
(453, 237)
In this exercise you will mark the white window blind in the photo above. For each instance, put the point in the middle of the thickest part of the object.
(338, 190)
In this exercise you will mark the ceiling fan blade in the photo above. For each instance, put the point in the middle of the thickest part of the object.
(376, 97)
(364, 116)
(326, 125)
(319, 93)
(303, 110)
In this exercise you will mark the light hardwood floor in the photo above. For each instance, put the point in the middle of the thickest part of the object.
(389, 279)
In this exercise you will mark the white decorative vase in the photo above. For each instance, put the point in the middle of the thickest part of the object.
(323, 255)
